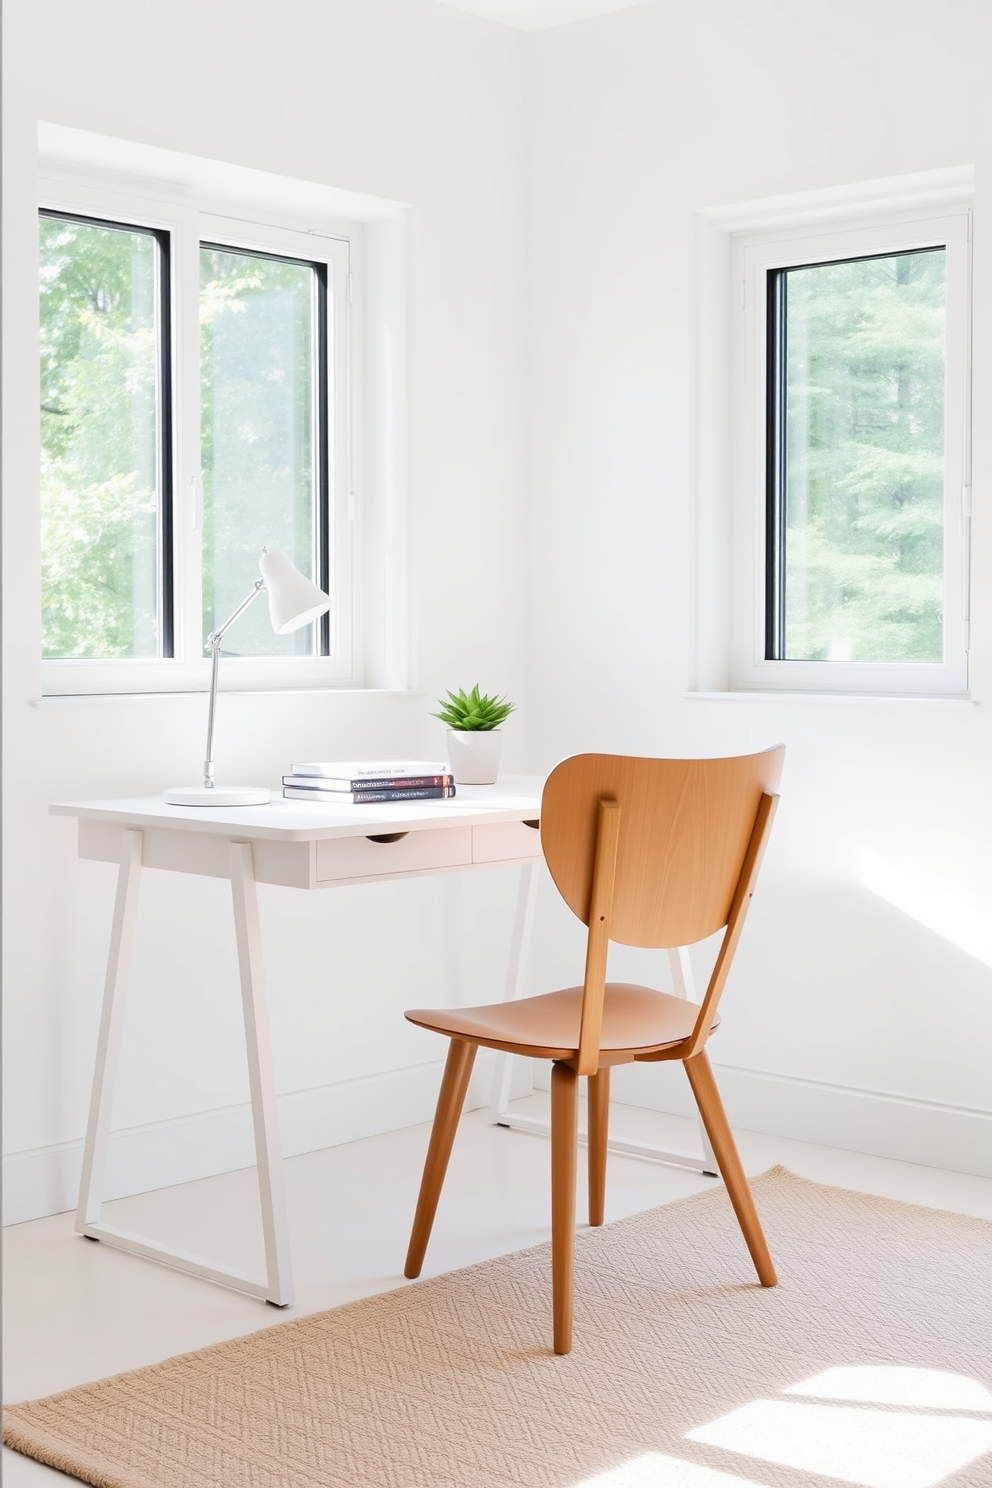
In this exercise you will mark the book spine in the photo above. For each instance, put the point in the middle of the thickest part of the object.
(424, 793)
(386, 770)
(363, 797)
(344, 787)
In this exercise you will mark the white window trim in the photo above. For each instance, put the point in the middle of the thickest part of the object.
(188, 219)
(735, 248)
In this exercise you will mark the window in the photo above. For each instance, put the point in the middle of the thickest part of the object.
(854, 455)
(106, 440)
(263, 433)
(194, 408)
(842, 382)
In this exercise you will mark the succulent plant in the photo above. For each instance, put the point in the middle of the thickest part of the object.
(473, 710)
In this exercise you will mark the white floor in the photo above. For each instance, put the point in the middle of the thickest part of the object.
(75, 1310)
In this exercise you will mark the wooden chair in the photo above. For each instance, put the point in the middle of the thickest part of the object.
(645, 852)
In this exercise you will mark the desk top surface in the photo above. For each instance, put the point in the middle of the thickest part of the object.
(515, 798)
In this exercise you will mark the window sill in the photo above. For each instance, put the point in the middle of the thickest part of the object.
(744, 695)
(84, 699)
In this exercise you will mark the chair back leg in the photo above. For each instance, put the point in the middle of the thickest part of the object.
(564, 1145)
(457, 1070)
(599, 1130)
(704, 1088)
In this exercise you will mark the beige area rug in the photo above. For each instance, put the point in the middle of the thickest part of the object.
(870, 1363)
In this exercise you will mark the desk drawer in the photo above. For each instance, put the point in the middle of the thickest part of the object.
(505, 842)
(414, 852)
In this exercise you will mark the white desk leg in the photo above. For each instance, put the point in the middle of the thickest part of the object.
(523, 924)
(111, 1024)
(277, 1286)
(271, 1184)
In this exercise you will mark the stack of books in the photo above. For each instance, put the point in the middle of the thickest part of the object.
(346, 782)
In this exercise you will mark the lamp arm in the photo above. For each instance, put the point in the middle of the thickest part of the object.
(221, 631)
(213, 641)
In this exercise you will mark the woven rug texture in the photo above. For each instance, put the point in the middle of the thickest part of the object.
(870, 1363)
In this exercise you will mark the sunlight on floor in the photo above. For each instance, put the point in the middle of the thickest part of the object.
(872, 1448)
(881, 1385)
(654, 1470)
(875, 1449)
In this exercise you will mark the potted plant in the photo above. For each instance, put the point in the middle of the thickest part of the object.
(474, 737)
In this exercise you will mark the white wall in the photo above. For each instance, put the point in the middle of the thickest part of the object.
(848, 1019)
(587, 148)
(400, 99)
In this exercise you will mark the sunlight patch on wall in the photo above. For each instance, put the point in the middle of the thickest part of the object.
(962, 919)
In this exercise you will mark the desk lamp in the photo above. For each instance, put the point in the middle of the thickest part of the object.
(293, 602)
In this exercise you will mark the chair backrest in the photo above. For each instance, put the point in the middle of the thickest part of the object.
(656, 852)
(684, 829)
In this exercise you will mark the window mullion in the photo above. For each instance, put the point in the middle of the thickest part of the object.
(776, 463)
(323, 534)
(167, 451)
(189, 480)
(341, 515)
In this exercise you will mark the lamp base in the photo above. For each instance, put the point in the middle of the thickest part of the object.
(218, 795)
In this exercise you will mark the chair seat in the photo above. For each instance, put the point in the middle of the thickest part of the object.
(636, 1020)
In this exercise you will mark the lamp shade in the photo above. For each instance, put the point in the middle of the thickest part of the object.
(293, 600)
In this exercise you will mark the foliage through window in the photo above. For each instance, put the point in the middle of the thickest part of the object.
(261, 432)
(105, 441)
(855, 561)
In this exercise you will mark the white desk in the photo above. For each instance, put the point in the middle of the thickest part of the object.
(306, 847)
(300, 846)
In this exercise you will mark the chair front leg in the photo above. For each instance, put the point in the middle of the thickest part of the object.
(564, 1144)
(599, 1130)
(704, 1088)
(458, 1068)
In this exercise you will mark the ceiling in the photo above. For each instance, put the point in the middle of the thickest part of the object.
(538, 15)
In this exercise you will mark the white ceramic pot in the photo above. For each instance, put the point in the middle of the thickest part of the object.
(474, 755)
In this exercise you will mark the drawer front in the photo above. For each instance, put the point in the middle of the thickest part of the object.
(505, 842)
(285, 863)
(414, 852)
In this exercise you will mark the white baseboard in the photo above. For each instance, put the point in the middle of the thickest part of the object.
(45, 1180)
(938, 1136)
